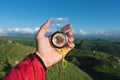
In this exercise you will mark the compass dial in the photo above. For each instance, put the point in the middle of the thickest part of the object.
(59, 39)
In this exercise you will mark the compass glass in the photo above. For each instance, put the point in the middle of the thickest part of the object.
(57, 23)
(59, 39)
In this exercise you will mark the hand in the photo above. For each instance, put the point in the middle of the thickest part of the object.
(45, 50)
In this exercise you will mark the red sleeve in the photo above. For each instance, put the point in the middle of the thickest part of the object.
(31, 68)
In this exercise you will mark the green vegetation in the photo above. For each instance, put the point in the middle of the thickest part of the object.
(91, 59)
(22, 40)
(99, 58)
(107, 46)
(12, 53)
(13, 50)
(70, 73)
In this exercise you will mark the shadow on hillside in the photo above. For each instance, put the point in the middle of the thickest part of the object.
(7, 66)
(101, 75)
(87, 64)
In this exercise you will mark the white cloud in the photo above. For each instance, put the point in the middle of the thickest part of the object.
(9, 31)
(51, 30)
(36, 29)
(27, 30)
(2, 31)
(108, 32)
(99, 32)
(14, 30)
(23, 30)
(82, 32)
(73, 31)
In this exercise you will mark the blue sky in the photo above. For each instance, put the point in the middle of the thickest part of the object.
(89, 16)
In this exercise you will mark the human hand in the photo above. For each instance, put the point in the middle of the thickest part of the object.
(45, 50)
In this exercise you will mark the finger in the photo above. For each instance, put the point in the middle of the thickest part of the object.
(70, 39)
(43, 29)
(66, 27)
(69, 33)
(70, 46)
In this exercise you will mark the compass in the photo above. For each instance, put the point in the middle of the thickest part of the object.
(59, 39)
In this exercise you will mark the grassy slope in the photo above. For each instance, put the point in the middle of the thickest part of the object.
(90, 56)
(71, 72)
(10, 53)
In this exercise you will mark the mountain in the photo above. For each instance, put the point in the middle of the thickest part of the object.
(12, 51)
(97, 36)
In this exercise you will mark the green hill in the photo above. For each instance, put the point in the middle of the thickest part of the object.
(99, 58)
(12, 52)
(107, 46)
(99, 65)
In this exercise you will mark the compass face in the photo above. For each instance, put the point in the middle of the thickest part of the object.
(59, 39)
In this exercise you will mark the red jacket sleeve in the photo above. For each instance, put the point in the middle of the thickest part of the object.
(31, 68)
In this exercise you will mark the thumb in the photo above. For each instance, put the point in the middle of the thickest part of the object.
(43, 29)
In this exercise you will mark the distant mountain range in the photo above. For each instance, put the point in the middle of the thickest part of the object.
(97, 36)
(28, 32)
(89, 36)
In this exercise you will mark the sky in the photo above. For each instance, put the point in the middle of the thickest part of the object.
(86, 16)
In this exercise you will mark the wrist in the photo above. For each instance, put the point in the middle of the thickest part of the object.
(41, 61)
(50, 58)
(42, 58)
